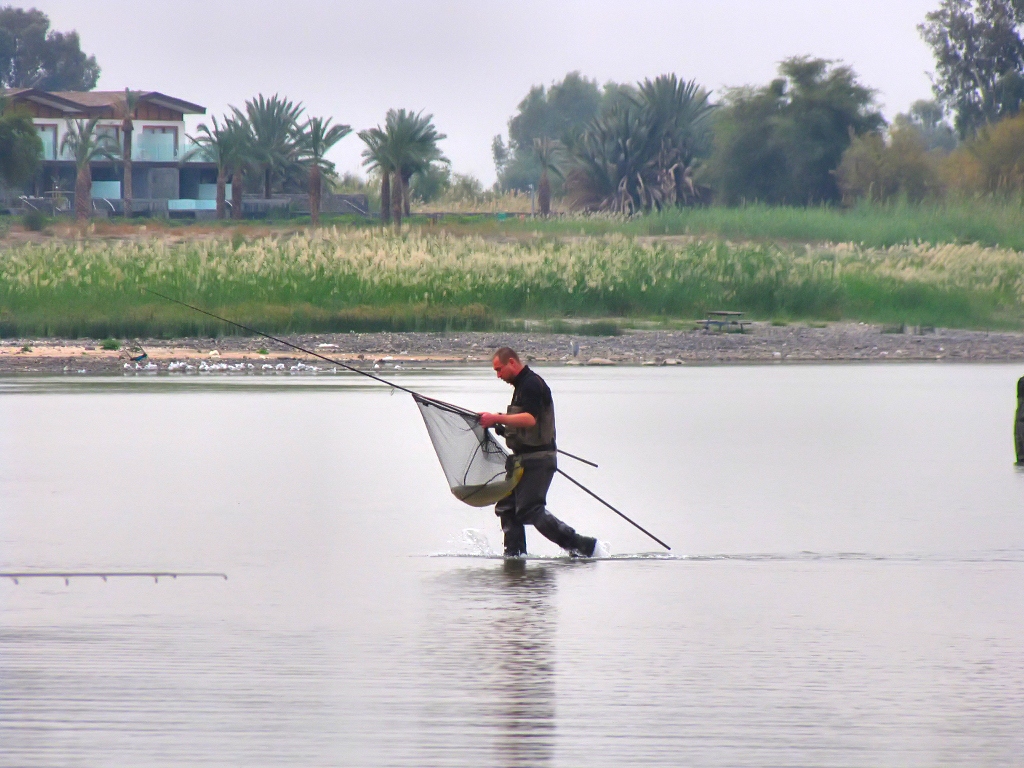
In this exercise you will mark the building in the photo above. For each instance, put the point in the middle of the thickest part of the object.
(167, 174)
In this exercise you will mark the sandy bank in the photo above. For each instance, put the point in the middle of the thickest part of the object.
(763, 343)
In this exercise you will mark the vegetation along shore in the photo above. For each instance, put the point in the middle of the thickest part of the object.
(365, 279)
(624, 209)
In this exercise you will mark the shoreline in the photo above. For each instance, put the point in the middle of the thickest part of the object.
(762, 343)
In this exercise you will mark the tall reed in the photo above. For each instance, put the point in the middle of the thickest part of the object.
(364, 280)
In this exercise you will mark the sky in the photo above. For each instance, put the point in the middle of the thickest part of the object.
(470, 63)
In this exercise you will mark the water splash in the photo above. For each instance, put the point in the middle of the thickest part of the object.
(470, 543)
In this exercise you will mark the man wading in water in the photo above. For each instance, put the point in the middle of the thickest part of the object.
(529, 432)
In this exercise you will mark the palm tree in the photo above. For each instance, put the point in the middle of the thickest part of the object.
(406, 144)
(376, 157)
(273, 124)
(549, 154)
(87, 146)
(424, 149)
(678, 115)
(224, 144)
(316, 138)
(240, 159)
(127, 109)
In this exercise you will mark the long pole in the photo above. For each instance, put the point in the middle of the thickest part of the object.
(629, 520)
(68, 575)
(409, 391)
(332, 361)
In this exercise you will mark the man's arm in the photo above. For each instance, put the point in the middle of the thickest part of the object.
(517, 420)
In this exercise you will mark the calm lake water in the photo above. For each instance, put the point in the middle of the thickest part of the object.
(845, 589)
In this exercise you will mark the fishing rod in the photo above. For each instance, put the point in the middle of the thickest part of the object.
(68, 575)
(352, 368)
(629, 520)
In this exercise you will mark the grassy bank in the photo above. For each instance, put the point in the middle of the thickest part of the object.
(991, 222)
(339, 280)
(988, 222)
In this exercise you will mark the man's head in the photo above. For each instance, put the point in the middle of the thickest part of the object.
(507, 364)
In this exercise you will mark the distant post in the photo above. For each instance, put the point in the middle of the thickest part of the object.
(1018, 423)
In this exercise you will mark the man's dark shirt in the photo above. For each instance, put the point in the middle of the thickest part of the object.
(531, 393)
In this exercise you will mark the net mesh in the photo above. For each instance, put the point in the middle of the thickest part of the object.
(473, 461)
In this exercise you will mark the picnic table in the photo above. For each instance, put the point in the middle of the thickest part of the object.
(724, 320)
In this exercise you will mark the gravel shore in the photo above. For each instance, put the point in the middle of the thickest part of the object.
(761, 343)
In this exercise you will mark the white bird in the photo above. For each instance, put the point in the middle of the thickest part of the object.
(279, 367)
(152, 367)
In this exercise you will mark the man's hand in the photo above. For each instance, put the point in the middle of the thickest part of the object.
(517, 420)
(490, 419)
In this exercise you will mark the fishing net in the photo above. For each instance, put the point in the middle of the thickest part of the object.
(478, 470)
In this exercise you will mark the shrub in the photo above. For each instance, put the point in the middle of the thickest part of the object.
(34, 221)
(111, 345)
(879, 170)
(993, 160)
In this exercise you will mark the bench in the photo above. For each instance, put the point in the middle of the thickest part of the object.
(724, 320)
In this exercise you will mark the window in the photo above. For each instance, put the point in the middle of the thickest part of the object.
(158, 143)
(113, 132)
(163, 130)
(48, 135)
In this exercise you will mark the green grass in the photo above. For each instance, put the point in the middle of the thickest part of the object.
(364, 280)
(989, 222)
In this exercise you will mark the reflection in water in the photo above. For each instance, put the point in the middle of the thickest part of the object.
(491, 671)
(150, 693)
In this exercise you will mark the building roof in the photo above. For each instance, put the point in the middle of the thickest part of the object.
(46, 99)
(112, 99)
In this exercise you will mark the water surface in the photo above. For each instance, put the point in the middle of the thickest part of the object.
(844, 587)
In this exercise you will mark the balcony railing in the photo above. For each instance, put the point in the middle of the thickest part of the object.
(145, 150)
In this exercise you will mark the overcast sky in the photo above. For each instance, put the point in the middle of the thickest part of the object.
(470, 63)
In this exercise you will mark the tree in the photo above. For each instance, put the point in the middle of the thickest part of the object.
(610, 161)
(880, 168)
(979, 59)
(406, 144)
(32, 56)
(640, 153)
(678, 115)
(929, 118)
(549, 155)
(226, 145)
(560, 113)
(431, 182)
(86, 145)
(20, 146)
(273, 124)
(376, 158)
(423, 151)
(127, 109)
(780, 143)
(316, 138)
(991, 162)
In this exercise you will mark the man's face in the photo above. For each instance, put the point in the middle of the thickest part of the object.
(506, 371)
